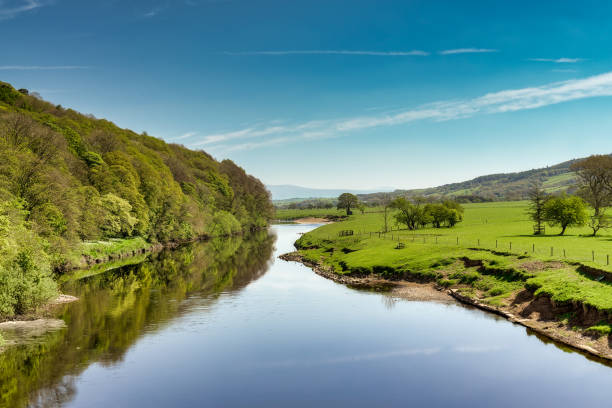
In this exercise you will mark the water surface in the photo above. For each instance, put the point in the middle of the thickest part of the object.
(226, 324)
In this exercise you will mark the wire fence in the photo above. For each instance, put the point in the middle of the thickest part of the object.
(516, 247)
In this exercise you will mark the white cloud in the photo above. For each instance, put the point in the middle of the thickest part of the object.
(373, 356)
(557, 60)
(467, 51)
(11, 8)
(495, 102)
(184, 136)
(153, 12)
(40, 67)
(333, 52)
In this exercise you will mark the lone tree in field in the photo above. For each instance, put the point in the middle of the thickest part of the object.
(537, 198)
(565, 211)
(346, 201)
(386, 203)
(595, 187)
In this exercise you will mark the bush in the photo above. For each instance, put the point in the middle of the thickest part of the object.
(25, 268)
(224, 224)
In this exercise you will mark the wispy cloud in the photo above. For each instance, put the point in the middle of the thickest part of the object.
(333, 52)
(153, 12)
(564, 70)
(496, 102)
(183, 136)
(347, 359)
(11, 8)
(467, 51)
(557, 60)
(40, 67)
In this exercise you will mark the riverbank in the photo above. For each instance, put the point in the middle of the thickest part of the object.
(537, 312)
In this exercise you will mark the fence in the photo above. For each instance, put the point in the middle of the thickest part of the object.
(515, 247)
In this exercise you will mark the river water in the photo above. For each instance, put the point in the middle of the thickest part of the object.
(227, 324)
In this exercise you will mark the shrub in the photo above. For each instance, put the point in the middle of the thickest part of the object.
(602, 329)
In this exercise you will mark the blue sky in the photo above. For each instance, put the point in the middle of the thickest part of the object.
(331, 94)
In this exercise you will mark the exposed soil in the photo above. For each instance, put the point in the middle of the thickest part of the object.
(23, 328)
(401, 289)
(540, 314)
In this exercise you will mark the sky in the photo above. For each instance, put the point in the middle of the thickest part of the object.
(331, 94)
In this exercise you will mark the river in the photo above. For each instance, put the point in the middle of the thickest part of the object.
(227, 324)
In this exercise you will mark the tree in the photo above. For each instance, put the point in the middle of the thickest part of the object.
(346, 201)
(386, 203)
(413, 216)
(118, 221)
(537, 202)
(595, 187)
(565, 211)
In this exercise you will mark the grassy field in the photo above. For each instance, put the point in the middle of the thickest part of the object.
(467, 256)
(504, 226)
(287, 214)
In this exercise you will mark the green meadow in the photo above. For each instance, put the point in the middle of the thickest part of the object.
(294, 214)
(504, 226)
(497, 236)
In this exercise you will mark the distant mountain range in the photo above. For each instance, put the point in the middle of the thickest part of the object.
(493, 187)
(287, 191)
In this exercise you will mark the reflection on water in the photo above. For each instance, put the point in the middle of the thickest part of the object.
(224, 324)
(117, 307)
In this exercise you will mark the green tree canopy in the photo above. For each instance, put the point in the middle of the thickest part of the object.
(565, 211)
(346, 201)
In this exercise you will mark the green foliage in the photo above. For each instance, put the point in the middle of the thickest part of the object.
(118, 220)
(25, 274)
(565, 211)
(602, 329)
(415, 215)
(346, 201)
(80, 178)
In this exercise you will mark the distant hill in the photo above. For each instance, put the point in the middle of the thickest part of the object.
(287, 191)
(496, 187)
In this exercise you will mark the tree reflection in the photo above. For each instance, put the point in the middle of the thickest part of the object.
(118, 306)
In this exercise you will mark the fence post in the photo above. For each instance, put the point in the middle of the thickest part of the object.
(593, 253)
(478, 241)
(551, 251)
(457, 240)
(533, 248)
(564, 253)
(511, 246)
(607, 259)
(495, 243)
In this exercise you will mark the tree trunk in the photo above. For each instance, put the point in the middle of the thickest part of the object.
(563, 230)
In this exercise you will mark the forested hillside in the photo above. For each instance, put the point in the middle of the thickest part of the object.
(68, 179)
(495, 187)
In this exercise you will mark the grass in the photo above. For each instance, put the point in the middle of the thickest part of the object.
(502, 226)
(294, 214)
(102, 249)
(476, 266)
(602, 329)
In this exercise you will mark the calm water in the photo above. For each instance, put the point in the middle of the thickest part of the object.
(226, 324)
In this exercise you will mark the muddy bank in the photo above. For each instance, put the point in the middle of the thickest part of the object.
(538, 314)
(25, 328)
(402, 289)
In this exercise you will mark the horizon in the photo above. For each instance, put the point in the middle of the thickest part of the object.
(421, 95)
